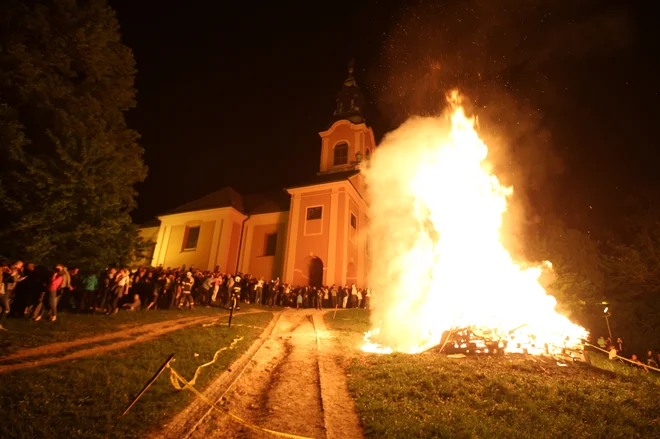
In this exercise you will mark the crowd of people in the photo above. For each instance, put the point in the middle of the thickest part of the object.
(28, 290)
(616, 351)
(36, 292)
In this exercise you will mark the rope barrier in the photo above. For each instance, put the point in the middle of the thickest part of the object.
(175, 382)
(206, 325)
(640, 364)
(233, 416)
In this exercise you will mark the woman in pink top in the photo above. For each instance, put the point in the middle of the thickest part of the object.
(53, 286)
(55, 282)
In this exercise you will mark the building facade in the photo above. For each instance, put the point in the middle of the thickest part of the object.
(310, 234)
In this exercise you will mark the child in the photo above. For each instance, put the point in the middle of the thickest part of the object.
(299, 300)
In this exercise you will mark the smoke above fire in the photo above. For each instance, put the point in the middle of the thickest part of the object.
(438, 259)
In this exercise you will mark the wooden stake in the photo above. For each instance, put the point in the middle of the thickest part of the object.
(151, 381)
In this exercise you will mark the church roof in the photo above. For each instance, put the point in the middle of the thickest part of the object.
(328, 178)
(274, 201)
(226, 197)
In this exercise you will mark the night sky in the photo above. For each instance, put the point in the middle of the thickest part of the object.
(567, 91)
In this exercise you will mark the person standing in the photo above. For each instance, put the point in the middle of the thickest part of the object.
(186, 290)
(120, 288)
(54, 285)
(333, 296)
(259, 291)
(90, 286)
(320, 293)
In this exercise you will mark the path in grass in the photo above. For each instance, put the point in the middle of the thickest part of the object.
(290, 383)
(84, 397)
(25, 333)
(129, 337)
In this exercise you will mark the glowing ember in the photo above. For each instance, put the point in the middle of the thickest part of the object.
(438, 262)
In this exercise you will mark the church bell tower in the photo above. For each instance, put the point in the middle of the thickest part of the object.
(348, 141)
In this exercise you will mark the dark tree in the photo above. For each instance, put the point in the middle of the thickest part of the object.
(68, 162)
(632, 266)
(577, 281)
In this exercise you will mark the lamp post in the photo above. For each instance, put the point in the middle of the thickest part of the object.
(607, 318)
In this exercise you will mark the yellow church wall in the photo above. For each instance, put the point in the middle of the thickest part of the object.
(176, 256)
(150, 235)
(234, 243)
(217, 244)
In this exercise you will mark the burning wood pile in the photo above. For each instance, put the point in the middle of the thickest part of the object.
(439, 264)
(480, 341)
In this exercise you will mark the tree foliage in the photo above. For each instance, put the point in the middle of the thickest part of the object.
(632, 257)
(631, 261)
(577, 281)
(68, 161)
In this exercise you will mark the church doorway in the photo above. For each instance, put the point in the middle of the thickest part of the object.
(315, 272)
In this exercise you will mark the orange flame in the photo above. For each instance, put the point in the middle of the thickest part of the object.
(438, 262)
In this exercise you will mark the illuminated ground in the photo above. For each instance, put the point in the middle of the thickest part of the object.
(432, 396)
(291, 384)
(73, 378)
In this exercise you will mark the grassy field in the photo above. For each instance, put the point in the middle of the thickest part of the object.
(25, 333)
(84, 398)
(433, 396)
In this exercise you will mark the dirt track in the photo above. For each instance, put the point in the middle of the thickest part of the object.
(126, 338)
(289, 382)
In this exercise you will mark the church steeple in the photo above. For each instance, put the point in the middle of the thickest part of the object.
(350, 101)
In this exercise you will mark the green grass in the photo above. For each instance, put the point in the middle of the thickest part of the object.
(84, 398)
(24, 333)
(432, 396)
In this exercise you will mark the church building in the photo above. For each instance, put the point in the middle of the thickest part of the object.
(309, 234)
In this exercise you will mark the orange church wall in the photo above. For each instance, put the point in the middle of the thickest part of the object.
(364, 279)
(234, 242)
(268, 267)
(175, 256)
(341, 241)
(312, 239)
(342, 133)
(352, 267)
(359, 138)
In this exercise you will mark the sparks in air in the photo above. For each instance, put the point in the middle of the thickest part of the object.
(438, 262)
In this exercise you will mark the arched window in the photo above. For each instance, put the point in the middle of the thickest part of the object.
(340, 154)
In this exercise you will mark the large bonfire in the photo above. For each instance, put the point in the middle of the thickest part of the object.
(438, 263)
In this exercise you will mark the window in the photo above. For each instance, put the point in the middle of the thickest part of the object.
(341, 154)
(314, 213)
(270, 245)
(352, 232)
(190, 238)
